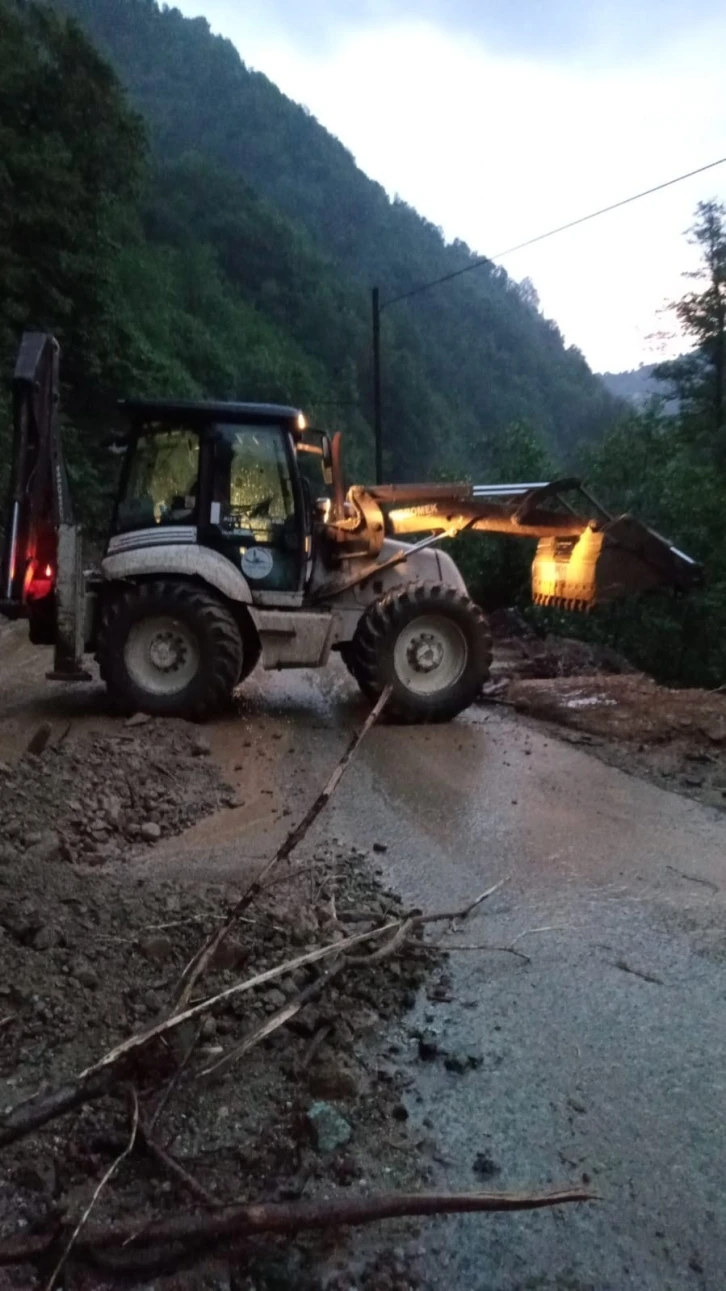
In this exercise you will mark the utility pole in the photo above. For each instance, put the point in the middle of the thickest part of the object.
(377, 405)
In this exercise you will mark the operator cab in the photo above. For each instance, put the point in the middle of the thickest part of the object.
(241, 478)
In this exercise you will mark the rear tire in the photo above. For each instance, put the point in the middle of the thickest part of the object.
(170, 649)
(430, 644)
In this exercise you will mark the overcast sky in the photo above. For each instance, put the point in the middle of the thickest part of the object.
(499, 119)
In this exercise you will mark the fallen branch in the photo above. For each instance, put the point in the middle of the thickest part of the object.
(97, 1192)
(277, 1020)
(206, 953)
(138, 1233)
(142, 1038)
(35, 1112)
(419, 919)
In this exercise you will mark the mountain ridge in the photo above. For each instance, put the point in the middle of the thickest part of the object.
(460, 363)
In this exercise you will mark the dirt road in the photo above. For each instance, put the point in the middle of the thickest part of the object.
(603, 1057)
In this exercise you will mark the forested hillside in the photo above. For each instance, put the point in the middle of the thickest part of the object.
(291, 227)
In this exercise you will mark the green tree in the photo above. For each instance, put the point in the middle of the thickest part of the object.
(699, 378)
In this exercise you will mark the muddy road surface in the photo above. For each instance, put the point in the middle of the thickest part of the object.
(595, 1054)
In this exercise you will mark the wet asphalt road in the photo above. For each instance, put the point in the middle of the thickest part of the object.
(604, 1057)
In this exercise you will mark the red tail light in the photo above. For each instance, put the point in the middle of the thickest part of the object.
(38, 583)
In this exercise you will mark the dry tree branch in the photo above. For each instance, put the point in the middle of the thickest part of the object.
(175, 1079)
(97, 1192)
(277, 1020)
(92, 1083)
(206, 954)
(142, 1038)
(198, 1230)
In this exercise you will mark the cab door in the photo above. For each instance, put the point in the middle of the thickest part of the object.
(255, 511)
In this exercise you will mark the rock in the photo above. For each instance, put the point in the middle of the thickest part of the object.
(156, 947)
(21, 921)
(428, 1045)
(46, 848)
(363, 1019)
(328, 1128)
(138, 719)
(230, 954)
(201, 748)
(461, 1062)
(333, 1080)
(484, 1167)
(152, 1001)
(150, 831)
(37, 1178)
(39, 739)
(84, 974)
(276, 999)
(380, 847)
(113, 808)
(45, 939)
(209, 1028)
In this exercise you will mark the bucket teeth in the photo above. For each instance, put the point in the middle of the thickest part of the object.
(575, 604)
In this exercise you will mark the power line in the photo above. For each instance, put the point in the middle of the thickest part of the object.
(625, 201)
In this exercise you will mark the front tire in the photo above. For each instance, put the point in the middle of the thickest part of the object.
(171, 649)
(429, 643)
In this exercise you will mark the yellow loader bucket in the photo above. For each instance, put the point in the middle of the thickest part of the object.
(603, 564)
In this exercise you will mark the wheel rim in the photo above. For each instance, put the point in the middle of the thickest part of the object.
(430, 654)
(161, 655)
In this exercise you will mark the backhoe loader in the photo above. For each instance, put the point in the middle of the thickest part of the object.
(233, 541)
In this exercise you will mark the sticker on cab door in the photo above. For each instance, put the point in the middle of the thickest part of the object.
(257, 562)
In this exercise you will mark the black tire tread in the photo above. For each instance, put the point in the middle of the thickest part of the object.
(202, 698)
(380, 625)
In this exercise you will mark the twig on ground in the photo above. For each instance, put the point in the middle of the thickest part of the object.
(97, 1192)
(200, 1230)
(277, 1020)
(459, 916)
(174, 1167)
(315, 1044)
(173, 1083)
(635, 972)
(484, 945)
(207, 952)
(400, 936)
(530, 932)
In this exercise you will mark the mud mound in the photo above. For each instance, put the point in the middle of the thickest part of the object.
(677, 737)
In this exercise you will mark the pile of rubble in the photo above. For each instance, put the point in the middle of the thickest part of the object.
(92, 801)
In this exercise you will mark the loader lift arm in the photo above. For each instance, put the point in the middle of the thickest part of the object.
(585, 556)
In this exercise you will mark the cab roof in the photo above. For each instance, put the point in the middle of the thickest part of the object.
(190, 410)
